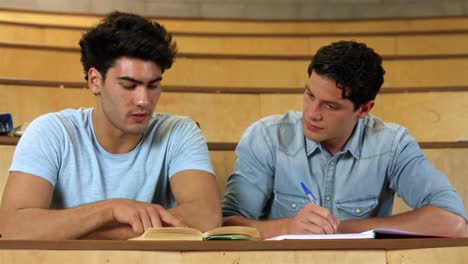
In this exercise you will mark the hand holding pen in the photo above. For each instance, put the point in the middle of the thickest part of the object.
(308, 193)
(313, 219)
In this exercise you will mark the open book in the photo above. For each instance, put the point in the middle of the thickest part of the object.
(187, 233)
(371, 234)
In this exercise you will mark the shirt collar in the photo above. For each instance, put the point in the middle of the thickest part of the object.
(353, 145)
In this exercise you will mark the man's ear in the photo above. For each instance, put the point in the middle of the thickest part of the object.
(365, 109)
(94, 81)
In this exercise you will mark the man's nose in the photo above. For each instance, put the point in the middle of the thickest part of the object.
(141, 96)
(314, 111)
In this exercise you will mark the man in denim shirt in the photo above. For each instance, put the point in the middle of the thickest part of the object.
(352, 162)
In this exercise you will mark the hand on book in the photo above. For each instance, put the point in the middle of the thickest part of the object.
(313, 219)
(141, 216)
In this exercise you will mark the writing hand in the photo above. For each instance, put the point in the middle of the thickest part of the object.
(313, 219)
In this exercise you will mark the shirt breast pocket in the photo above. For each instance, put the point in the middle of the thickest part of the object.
(357, 208)
(287, 205)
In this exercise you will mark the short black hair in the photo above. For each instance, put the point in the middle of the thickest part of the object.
(356, 69)
(126, 35)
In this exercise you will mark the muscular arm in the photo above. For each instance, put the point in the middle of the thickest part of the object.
(198, 199)
(428, 219)
(25, 213)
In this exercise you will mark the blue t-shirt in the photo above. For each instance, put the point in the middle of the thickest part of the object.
(63, 149)
(379, 160)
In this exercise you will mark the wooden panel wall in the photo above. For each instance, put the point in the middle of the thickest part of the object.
(428, 116)
(279, 46)
(213, 73)
(253, 27)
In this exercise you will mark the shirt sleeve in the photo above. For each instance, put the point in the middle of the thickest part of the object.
(415, 179)
(250, 186)
(39, 150)
(187, 148)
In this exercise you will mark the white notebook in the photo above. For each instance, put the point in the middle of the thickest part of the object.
(371, 234)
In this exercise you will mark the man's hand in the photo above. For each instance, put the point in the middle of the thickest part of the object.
(313, 219)
(141, 216)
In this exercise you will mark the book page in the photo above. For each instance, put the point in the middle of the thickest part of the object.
(232, 232)
(170, 233)
(363, 235)
(379, 233)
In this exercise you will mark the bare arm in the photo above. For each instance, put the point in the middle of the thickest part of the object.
(312, 219)
(25, 213)
(428, 219)
(198, 199)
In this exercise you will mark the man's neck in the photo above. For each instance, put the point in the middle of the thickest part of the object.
(333, 146)
(111, 139)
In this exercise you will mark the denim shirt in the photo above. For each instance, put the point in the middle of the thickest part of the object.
(379, 160)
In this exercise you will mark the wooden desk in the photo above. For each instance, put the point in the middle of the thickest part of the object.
(325, 251)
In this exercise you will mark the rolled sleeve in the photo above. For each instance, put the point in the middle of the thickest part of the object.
(249, 187)
(418, 182)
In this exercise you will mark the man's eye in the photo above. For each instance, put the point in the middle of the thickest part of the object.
(129, 86)
(330, 106)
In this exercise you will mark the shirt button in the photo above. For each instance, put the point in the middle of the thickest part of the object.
(327, 198)
(357, 211)
(331, 163)
(293, 206)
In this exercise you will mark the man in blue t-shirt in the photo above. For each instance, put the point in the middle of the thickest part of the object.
(334, 168)
(112, 171)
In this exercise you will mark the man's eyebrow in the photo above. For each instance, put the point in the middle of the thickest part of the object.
(130, 79)
(325, 101)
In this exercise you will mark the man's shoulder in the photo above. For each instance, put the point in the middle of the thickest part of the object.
(375, 127)
(168, 125)
(285, 131)
(169, 120)
(63, 118)
(289, 119)
(380, 137)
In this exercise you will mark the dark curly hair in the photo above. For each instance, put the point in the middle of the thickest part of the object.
(126, 35)
(356, 68)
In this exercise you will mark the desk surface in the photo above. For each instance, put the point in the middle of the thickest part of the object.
(339, 244)
(375, 251)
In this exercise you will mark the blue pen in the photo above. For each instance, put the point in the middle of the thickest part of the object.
(308, 193)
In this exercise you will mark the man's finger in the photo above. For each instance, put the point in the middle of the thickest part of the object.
(145, 218)
(170, 219)
(155, 217)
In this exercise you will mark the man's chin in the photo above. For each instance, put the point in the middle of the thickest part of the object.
(313, 136)
(136, 130)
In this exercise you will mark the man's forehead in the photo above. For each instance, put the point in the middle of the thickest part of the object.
(325, 87)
